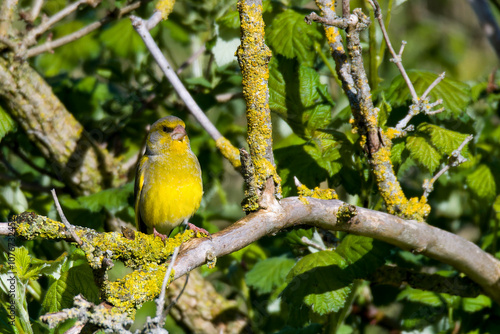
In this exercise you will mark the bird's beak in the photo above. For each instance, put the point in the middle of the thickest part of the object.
(178, 133)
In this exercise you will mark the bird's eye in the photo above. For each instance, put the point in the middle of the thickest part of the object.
(165, 129)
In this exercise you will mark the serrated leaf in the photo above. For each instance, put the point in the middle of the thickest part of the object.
(297, 96)
(423, 152)
(230, 20)
(291, 37)
(446, 141)
(319, 282)
(114, 199)
(299, 161)
(268, 274)
(363, 254)
(7, 124)
(482, 183)
(397, 152)
(455, 94)
(77, 280)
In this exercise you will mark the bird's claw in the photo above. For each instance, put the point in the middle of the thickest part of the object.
(197, 229)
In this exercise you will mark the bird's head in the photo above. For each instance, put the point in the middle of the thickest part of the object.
(167, 134)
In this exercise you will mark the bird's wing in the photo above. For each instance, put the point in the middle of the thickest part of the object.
(139, 182)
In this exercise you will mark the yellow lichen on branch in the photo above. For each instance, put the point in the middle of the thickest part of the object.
(317, 192)
(253, 57)
(146, 254)
(165, 7)
(229, 152)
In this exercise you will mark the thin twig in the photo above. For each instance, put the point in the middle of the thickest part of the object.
(190, 60)
(312, 244)
(454, 160)
(35, 10)
(69, 227)
(432, 85)
(396, 59)
(51, 45)
(176, 300)
(160, 301)
(12, 45)
(153, 20)
(30, 39)
(340, 23)
(141, 27)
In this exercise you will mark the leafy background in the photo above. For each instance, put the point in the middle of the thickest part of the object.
(110, 83)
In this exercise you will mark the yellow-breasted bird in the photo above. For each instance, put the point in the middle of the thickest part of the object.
(168, 186)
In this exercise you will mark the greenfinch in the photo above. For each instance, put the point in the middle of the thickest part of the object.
(168, 186)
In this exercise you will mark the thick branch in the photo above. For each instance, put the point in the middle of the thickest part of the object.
(410, 235)
(73, 154)
(6, 16)
(253, 57)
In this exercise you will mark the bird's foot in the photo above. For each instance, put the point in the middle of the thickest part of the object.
(197, 229)
(163, 237)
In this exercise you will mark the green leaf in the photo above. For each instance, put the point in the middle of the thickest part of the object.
(230, 20)
(268, 274)
(476, 304)
(482, 183)
(396, 153)
(122, 39)
(318, 282)
(446, 141)
(7, 124)
(423, 152)
(12, 197)
(77, 280)
(305, 162)
(427, 297)
(455, 94)
(114, 199)
(363, 254)
(291, 37)
(296, 94)
(311, 329)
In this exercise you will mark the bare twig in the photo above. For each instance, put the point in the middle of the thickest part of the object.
(341, 23)
(69, 227)
(454, 160)
(396, 58)
(191, 59)
(153, 20)
(30, 38)
(12, 45)
(160, 301)
(50, 45)
(312, 244)
(432, 85)
(35, 10)
(141, 27)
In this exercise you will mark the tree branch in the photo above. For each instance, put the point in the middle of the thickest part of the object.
(409, 235)
(6, 16)
(30, 38)
(51, 45)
